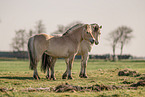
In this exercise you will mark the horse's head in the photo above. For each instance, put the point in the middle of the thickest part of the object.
(96, 32)
(87, 33)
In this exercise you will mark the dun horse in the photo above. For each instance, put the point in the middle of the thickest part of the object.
(65, 46)
(84, 49)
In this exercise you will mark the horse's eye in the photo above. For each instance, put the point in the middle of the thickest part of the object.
(87, 32)
(96, 29)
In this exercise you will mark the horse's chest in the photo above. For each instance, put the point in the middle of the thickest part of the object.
(85, 47)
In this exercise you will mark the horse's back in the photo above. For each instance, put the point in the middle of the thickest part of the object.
(42, 37)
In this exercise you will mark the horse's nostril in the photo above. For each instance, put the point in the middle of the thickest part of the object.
(96, 43)
(92, 40)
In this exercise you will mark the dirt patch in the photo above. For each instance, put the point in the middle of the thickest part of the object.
(70, 88)
(127, 82)
(139, 83)
(128, 72)
(142, 78)
(94, 88)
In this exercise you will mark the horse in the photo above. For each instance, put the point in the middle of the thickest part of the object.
(65, 46)
(85, 48)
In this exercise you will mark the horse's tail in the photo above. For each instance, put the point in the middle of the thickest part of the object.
(31, 52)
(46, 62)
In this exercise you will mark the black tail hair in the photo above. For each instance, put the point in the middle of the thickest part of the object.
(32, 60)
(46, 61)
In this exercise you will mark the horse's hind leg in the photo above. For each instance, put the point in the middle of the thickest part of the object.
(47, 76)
(35, 75)
(52, 68)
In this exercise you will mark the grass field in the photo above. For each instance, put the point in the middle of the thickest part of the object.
(16, 74)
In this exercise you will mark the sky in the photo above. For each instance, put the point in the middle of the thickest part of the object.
(23, 14)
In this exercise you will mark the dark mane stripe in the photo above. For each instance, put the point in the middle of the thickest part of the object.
(72, 28)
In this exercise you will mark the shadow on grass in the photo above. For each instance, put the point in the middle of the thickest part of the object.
(18, 78)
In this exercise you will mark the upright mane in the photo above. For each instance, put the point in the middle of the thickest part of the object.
(73, 28)
(96, 26)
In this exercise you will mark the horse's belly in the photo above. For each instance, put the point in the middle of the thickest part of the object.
(57, 53)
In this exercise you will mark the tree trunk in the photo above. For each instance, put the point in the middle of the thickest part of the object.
(121, 49)
(114, 46)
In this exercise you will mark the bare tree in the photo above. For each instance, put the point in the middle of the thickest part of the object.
(125, 37)
(61, 28)
(19, 41)
(39, 28)
(30, 33)
(21, 37)
(121, 36)
(114, 37)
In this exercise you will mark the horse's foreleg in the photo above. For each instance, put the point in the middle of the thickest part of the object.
(52, 68)
(65, 73)
(83, 66)
(71, 59)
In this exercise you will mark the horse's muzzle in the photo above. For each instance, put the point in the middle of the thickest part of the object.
(92, 40)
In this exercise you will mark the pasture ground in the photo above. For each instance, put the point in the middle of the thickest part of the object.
(17, 75)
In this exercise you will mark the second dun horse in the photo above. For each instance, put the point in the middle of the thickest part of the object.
(65, 46)
(84, 49)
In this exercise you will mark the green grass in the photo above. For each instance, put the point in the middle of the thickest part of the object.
(16, 74)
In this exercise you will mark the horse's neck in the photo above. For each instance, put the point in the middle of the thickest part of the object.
(75, 36)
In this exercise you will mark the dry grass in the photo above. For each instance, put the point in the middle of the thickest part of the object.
(15, 77)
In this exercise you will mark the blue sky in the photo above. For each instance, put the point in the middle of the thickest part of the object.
(18, 14)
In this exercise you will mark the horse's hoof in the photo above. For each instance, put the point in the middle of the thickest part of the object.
(36, 77)
(69, 77)
(54, 79)
(47, 77)
(85, 76)
(64, 76)
(81, 75)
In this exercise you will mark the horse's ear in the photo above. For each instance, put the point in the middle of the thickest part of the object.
(101, 27)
